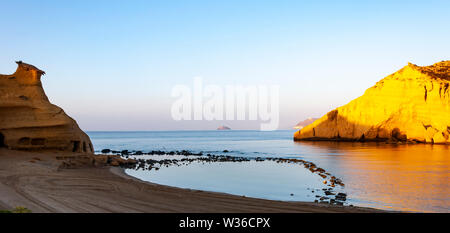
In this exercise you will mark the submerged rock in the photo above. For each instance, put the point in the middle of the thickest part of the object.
(412, 104)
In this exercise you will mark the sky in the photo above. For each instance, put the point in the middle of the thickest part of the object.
(111, 65)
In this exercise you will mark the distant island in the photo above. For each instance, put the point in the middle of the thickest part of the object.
(305, 123)
(223, 127)
(411, 105)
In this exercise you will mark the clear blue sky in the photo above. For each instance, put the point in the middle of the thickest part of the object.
(111, 64)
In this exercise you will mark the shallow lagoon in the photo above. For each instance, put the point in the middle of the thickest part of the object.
(265, 179)
(393, 177)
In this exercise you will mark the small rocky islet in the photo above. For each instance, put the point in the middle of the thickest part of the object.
(129, 159)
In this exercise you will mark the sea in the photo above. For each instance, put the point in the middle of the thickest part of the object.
(409, 177)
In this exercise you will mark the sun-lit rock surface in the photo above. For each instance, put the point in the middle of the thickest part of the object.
(28, 121)
(412, 104)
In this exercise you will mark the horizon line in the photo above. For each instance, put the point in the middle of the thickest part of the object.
(186, 130)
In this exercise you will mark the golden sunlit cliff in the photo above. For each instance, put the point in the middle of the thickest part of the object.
(28, 121)
(412, 104)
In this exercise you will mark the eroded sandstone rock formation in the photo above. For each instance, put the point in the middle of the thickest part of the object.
(412, 104)
(28, 121)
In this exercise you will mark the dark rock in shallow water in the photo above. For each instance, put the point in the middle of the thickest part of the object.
(341, 197)
(225, 151)
(124, 152)
(328, 193)
(106, 151)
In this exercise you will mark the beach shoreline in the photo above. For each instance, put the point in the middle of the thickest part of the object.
(35, 181)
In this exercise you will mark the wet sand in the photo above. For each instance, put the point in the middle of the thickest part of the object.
(35, 181)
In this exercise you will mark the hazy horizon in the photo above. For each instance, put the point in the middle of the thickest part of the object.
(111, 65)
(112, 131)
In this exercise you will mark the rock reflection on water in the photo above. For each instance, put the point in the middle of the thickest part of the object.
(400, 177)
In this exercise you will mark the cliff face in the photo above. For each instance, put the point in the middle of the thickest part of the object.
(412, 104)
(28, 121)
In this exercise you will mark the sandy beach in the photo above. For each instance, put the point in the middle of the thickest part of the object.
(35, 181)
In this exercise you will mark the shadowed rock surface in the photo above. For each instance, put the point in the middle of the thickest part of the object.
(28, 121)
(412, 104)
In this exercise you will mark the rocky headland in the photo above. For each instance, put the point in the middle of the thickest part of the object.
(28, 121)
(410, 105)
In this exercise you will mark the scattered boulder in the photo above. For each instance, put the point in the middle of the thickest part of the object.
(341, 197)
(329, 193)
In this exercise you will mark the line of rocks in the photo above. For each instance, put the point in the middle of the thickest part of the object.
(71, 162)
(331, 181)
(153, 152)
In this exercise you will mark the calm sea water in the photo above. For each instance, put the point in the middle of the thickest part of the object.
(392, 177)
